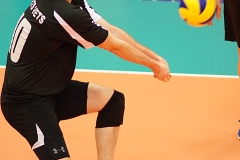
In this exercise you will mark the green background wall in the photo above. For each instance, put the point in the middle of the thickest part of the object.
(157, 25)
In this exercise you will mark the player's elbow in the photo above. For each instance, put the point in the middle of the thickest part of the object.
(111, 43)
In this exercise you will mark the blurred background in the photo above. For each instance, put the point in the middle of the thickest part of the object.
(155, 24)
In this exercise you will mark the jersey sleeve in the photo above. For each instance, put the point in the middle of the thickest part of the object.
(86, 7)
(79, 27)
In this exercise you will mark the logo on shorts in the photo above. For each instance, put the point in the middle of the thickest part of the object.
(55, 151)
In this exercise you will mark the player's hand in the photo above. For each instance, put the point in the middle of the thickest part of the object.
(218, 11)
(162, 73)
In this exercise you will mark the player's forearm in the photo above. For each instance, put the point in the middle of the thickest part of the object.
(119, 33)
(130, 53)
(127, 52)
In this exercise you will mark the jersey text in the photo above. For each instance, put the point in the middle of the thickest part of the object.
(36, 13)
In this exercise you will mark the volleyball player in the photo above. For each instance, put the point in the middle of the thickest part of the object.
(231, 24)
(38, 91)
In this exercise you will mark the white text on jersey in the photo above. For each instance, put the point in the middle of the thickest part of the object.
(36, 13)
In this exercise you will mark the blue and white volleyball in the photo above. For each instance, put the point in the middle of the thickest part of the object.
(197, 13)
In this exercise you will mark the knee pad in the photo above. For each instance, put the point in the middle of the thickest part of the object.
(112, 113)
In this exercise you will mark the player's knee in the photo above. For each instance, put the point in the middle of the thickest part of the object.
(112, 113)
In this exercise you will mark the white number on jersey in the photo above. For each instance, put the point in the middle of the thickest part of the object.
(19, 39)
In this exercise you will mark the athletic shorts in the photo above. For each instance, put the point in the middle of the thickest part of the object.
(232, 20)
(37, 117)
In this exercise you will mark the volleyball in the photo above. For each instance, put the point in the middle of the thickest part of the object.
(197, 13)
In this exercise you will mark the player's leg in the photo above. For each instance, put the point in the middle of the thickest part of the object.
(106, 140)
(98, 96)
(80, 98)
(106, 101)
(34, 118)
(110, 105)
(239, 62)
(232, 24)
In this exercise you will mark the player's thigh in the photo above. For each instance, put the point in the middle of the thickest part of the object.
(35, 119)
(98, 96)
(72, 101)
(79, 98)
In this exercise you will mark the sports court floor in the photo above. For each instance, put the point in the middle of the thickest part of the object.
(188, 118)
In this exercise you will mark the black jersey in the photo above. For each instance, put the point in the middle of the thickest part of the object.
(42, 54)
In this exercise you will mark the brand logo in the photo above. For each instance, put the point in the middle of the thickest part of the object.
(55, 151)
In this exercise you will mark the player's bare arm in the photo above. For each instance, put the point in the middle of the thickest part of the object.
(127, 52)
(121, 34)
(218, 9)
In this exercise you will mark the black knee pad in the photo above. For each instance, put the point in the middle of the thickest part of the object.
(112, 113)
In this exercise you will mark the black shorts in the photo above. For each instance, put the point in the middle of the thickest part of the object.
(232, 20)
(37, 117)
